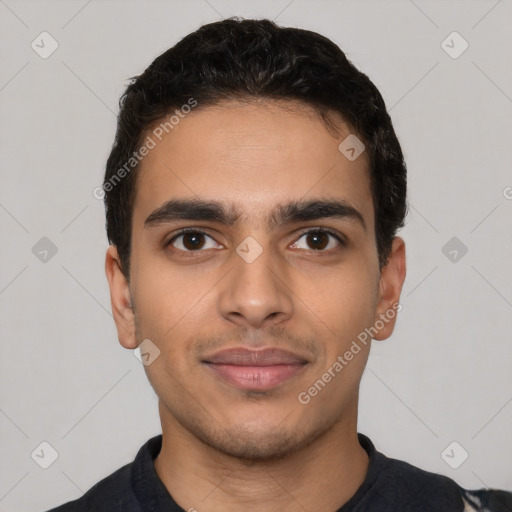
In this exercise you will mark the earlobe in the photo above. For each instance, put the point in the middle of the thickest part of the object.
(390, 287)
(121, 300)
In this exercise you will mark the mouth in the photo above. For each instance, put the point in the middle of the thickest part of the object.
(256, 370)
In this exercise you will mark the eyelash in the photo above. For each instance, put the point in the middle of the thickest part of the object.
(307, 231)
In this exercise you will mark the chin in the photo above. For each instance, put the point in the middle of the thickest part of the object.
(258, 447)
(258, 443)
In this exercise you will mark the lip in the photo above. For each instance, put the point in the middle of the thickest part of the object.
(256, 370)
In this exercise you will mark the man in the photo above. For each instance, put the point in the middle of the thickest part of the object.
(253, 195)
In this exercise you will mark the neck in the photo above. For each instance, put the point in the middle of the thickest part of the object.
(321, 476)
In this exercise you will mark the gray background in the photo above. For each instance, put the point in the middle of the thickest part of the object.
(445, 374)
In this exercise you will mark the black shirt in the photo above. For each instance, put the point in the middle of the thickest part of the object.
(390, 486)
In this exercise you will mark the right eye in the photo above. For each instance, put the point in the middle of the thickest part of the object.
(191, 240)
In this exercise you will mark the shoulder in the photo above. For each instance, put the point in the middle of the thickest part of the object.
(124, 490)
(424, 490)
(398, 485)
(112, 493)
(487, 500)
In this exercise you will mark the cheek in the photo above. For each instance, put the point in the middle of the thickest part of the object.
(173, 311)
(163, 296)
(344, 301)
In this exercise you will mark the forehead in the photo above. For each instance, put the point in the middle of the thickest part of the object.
(251, 157)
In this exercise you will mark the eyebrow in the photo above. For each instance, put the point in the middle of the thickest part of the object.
(294, 211)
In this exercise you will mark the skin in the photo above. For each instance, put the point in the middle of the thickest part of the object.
(225, 448)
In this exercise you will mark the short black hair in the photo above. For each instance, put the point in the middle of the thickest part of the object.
(243, 58)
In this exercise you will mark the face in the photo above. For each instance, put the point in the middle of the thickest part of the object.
(274, 280)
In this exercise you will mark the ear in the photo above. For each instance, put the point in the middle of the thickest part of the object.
(120, 299)
(391, 281)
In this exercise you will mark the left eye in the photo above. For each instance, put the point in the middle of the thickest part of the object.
(318, 240)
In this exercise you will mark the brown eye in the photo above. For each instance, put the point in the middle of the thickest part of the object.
(319, 240)
(192, 241)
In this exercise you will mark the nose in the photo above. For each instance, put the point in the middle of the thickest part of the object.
(254, 293)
